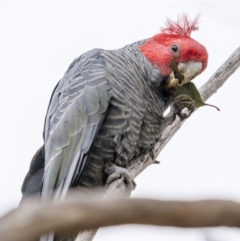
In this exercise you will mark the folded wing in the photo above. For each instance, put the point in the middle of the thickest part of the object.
(76, 111)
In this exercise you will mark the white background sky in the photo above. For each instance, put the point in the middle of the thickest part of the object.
(38, 41)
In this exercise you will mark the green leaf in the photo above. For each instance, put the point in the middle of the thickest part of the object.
(191, 90)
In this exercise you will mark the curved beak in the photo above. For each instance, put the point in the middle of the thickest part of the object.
(189, 70)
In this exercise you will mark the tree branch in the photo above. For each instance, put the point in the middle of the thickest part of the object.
(33, 219)
(208, 89)
(29, 222)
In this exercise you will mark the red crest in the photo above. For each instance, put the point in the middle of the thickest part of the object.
(182, 27)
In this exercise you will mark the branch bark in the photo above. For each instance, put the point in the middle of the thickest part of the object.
(29, 222)
(33, 219)
(117, 188)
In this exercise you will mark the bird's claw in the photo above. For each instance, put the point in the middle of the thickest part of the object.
(170, 84)
(116, 172)
(183, 105)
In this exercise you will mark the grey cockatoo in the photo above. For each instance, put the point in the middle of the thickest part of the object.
(108, 109)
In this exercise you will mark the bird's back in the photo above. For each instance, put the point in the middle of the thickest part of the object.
(127, 125)
(132, 123)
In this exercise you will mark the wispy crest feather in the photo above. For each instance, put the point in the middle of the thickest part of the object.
(183, 26)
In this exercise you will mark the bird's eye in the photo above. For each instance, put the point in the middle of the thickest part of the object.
(174, 48)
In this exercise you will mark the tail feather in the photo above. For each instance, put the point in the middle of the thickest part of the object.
(33, 181)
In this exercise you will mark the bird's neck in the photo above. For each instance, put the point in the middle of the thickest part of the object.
(157, 55)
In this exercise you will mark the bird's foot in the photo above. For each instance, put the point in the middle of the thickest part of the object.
(116, 172)
(183, 106)
(170, 84)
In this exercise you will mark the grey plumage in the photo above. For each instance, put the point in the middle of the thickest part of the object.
(108, 108)
(76, 111)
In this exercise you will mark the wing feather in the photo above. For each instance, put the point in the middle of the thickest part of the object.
(75, 114)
